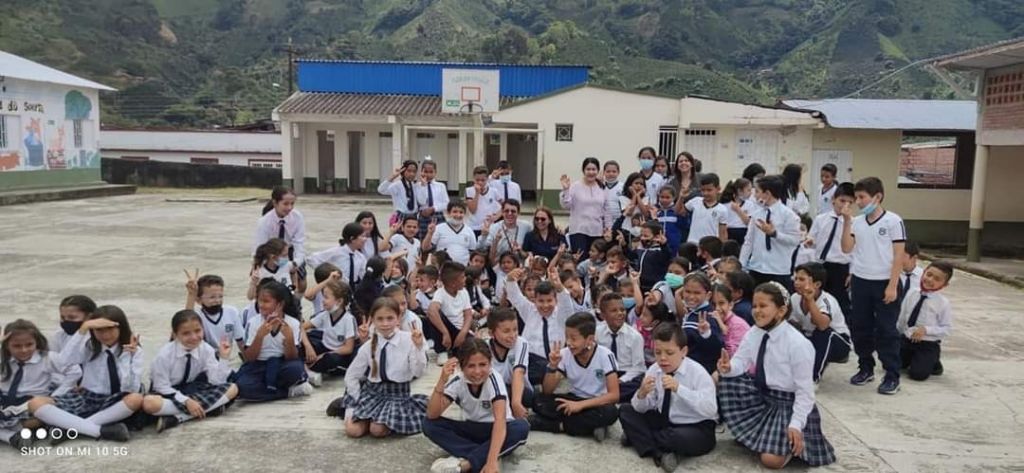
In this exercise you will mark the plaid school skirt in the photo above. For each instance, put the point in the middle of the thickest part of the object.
(86, 403)
(390, 404)
(760, 420)
(203, 392)
(12, 415)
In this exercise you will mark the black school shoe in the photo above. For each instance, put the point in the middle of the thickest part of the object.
(334, 409)
(542, 424)
(862, 377)
(938, 369)
(166, 422)
(18, 442)
(117, 432)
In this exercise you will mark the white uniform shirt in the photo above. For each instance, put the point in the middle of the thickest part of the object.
(514, 190)
(273, 344)
(629, 344)
(44, 374)
(400, 201)
(911, 280)
(487, 204)
(226, 324)
(612, 205)
(479, 406)
(452, 307)
(518, 356)
(799, 203)
(457, 243)
(400, 243)
(705, 220)
(434, 190)
(269, 226)
(820, 231)
(827, 304)
(372, 246)
(733, 220)
(825, 198)
(654, 183)
(404, 361)
(533, 330)
(168, 369)
(754, 256)
(95, 375)
(411, 322)
(936, 315)
(282, 275)
(692, 402)
(249, 313)
(500, 230)
(336, 332)
(788, 365)
(58, 340)
(588, 381)
(872, 249)
(352, 263)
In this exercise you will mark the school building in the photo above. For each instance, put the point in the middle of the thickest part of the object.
(996, 216)
(49, 126)
(258, 149)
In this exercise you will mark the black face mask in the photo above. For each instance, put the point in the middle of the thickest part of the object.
(213, 309)
(70, 327)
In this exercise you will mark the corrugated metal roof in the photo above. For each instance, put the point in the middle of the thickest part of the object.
(421, 78)
(440, 63)
(18, 67)
(329, 103)
(872, 114)
(999, 54)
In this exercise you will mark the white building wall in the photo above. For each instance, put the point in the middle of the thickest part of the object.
(39, 122)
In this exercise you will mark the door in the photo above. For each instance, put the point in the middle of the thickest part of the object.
(355, 161)
(701, 144)
(841, 158)
(325, 161)
(386, 166)
(757, 146)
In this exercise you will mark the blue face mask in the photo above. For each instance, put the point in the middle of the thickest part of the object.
(282, 262)
(629, 302)
(646, 164)
(674, 280)
(505, 178)
(868, 209)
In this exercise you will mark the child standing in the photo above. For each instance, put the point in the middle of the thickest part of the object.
(796, 199)
(613, 186)
(483, 202)
(674, 224)
(819, 316)
(739, 196)
(450, 312)
(27, 369)
(707, 214)
(827, 234)
(772, 237)
(189, 379)
(432, 197)
(112, 366)
(875, 238)
(589, 407)
(625, 343)
(281, 220)
(675, 411)
(828, 188)
(652, 256)
(544, 319)
(74, 310)
(401, 187)
(377, 398)
(272, 369)
(453, 237)
(703, 338)
(653, 180)
(507, 188)
(910, 277)
(773, 411)
(925, 319)
(489, 430)
(510, 357)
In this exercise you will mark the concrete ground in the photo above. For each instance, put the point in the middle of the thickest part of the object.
(131, 250)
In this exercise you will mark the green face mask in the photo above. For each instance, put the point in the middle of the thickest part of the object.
(674, 280)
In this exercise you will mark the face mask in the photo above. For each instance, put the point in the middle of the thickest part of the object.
(213, 309)
(635, 232)
(868, 209)
(282, 262)
(70, 327)
(505, 179)
(629, 302)
(646, 164)
(674, 280)
(455, 222)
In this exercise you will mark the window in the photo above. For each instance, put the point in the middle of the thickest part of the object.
(668, 136)
(936, 160)
(204, 160)
(77, 125)
(563, 132)
(425, 135)
(385, 134)
(264, 163)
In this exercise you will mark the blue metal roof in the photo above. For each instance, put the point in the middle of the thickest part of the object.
(424, 78)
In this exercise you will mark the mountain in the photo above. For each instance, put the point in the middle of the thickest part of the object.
(224, 62)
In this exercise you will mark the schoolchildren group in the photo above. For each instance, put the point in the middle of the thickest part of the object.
(667, 304)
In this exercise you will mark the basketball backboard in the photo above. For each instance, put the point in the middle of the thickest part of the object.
(469, 90)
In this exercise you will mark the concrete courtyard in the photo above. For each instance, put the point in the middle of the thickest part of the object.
(130, 251)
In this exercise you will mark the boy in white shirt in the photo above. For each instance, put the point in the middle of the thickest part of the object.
(482, 201)
(453, 236)
(450, 312)
(925, 319)
(828, 188)
(624, 342)
(826, 236)
(910, 277)
(507, 188)
(707, 215)
(818, 315)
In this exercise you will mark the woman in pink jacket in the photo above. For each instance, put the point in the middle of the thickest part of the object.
(584, 199)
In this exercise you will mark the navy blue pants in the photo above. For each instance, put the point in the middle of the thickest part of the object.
(252, 378)
(628, 388)
(331, 362)
(920, 358)
(580, 243)
(737, 234)
(785, 279)
(472, 440)
(437, 336)
(873, 326)
(651, 435)
(835, 284)
(829, 347)
(580, 424)
(537, 369)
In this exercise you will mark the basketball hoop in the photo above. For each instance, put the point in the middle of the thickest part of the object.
(469, 91)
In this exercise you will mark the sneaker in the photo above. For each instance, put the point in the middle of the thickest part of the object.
(890, 385)
(335, 409)
(669, 462)
(316, 379)
(442, 358)
(304, 389)
(601, 434)
(166, 422)
(938, 369)
(862, 377)
(117, 432)
(446, 465)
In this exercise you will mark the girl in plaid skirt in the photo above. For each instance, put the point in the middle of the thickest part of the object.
(772, 412)
(377, 398)
(109, 391)
(189, 380)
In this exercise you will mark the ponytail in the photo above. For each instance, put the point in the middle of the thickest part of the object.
(373, 355)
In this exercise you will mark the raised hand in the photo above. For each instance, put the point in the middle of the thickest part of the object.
(702, 323)
(133, 345)
(224, 348)
(555, 357)
(192, 281)
(335, 276)
(724, 363)
(448, 370)
(566, 182)
(417, 338)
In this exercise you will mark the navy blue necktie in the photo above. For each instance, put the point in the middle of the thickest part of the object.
(666, 402)
(615, 345)
(831, 237)
(352, 269)
(759, 377)
(430, 195)
(188, 368)
(410, 201)
(547, 343)
(905, 287)
(916, 312)
(12, 392)
(115, 378)
(768, 238)
(384, 363)
(280, 230)
(506, 190)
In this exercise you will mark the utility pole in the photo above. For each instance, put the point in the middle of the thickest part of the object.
(291, 67)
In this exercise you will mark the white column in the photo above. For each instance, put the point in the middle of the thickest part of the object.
(503, 155)
(977, 203)
(463, 158)
(478, 141)
(287, 167)
(396, 143)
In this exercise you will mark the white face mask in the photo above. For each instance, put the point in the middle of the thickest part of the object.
(635, 232)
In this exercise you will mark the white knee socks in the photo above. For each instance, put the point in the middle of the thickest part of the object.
(51, 415)
(167, 409)
(115, 413)
(7, 435)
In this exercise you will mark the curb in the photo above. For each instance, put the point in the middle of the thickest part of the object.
(978, 271)
(69, 193)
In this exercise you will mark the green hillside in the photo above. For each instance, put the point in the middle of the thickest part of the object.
(224, 62)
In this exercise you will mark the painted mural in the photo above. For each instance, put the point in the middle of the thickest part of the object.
(47, 128)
